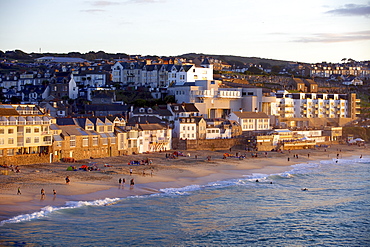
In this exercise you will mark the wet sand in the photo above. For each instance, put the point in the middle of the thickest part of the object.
(163, 173)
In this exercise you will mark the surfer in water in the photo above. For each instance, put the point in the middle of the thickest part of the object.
(305, 189)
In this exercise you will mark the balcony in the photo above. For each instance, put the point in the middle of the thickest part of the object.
(229, 94)
(204, 94)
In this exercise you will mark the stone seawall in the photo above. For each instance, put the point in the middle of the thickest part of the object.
(25, 159)
(210, 144)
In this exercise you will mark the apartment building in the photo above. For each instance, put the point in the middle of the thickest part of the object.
(24, 130)
(316, 105)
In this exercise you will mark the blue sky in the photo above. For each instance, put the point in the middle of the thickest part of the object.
(295, 30)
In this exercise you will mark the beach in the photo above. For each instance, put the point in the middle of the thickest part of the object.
(194, 167)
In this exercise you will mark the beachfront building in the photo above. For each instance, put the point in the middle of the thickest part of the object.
(83, 138)
(219, 128)
(24, 133)
(127, 139)
(154, 138)
(190, 128)
(314, 106)
(154, 133)
(251, 121)
(212, 101)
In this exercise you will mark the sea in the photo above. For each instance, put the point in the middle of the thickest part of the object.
(275, 211)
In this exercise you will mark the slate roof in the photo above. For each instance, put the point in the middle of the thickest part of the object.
(8, 110)
(107, 107)
(144, 120)
(65, 121)
(151, 126)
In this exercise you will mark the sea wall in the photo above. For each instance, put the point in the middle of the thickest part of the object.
(210, 144)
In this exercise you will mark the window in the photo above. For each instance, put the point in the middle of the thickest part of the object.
(95, 141)
(1, 153)
(28, 140)
(28, 129)
(110, 128)
(1, 131)
(1, 141)
(10, 140)
(10, 131)
(72, 141)
(85, 141)
(104, 141)
(36, 130)
(101, 128)
(10, 152)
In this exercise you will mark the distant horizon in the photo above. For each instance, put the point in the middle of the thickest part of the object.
(179, 55)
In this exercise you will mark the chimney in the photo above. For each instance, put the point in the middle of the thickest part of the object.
(241, 109)
(255, 109)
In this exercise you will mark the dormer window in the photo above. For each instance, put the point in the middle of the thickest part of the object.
(176, 108)
(150, 110)
(141, 110)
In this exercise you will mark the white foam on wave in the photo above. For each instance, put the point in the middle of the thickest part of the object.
(180, 191)
(45, 211)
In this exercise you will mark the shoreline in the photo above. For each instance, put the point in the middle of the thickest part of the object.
(166, 173)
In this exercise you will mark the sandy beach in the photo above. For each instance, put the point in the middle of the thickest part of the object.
(192, 168)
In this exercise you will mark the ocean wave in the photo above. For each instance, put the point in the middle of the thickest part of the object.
(45, 211)
(180, 191)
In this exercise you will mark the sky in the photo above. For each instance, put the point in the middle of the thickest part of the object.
(295, 30)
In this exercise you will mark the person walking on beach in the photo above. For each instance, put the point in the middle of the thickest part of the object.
(54, 192)
(123, 181)
(19, 191)
(132, 183)
(130, 171)
(120, 181)
(42, 193)
(67, 180)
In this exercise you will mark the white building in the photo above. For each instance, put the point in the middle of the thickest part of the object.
(215, 102)
(251, 121)
(154, 138)
(316, 105)
(159, 75)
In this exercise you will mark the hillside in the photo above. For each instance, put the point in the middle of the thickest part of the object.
(238, 60)
(232, 60)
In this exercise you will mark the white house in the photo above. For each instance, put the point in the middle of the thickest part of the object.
(251, 121)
